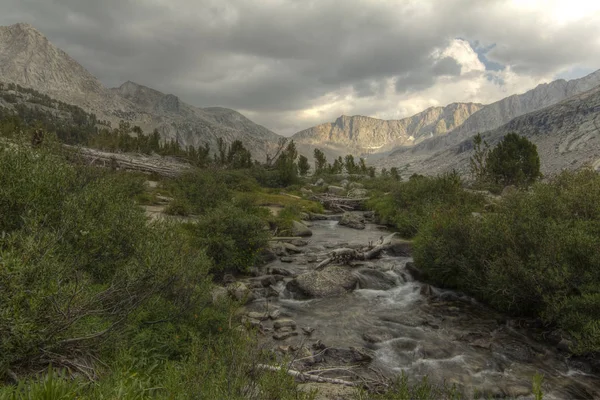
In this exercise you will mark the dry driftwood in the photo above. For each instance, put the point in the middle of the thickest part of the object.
(125, 161)
(345, 255)
(306, 377)
(285, 238)
(337, 203)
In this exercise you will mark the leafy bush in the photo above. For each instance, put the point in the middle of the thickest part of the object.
(232, 236)
(411, 203)
(78, 260)
(201, 190)
(535, 256)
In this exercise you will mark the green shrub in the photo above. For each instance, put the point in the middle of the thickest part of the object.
(413, 202)
(201, 190)
(232, 236)
(536, 255)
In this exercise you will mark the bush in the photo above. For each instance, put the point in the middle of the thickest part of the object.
(78, 261)
(411, 203)
(535, 256)
(201, 190)
(232, 236)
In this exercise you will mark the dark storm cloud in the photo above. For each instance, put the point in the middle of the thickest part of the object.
(281, 55)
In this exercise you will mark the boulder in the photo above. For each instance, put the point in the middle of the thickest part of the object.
(331, 281)
(258, 315)
(320, 182)
(292, 248)
(284, 335)
(357, 193)
(239, 291)
(356, 185)
(288, 260)
(337, 190)
(318, 217)
(284, 323)
(353, 220)
(306, 192)
(415, 272)
(218, 294)
(299, 229)
(299, 242)
(344, 183)
(400, 247)
(508, 190)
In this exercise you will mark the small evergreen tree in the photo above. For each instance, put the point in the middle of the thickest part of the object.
(320, 162)
(303, 165)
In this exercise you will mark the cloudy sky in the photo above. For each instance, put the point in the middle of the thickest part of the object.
(291, 64)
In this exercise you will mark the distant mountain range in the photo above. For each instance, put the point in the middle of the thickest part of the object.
(29, 59)
(428, 142)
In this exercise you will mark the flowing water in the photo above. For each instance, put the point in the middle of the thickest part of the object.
(423, 331)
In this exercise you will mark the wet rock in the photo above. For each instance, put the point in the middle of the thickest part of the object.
(279, 250)
(299, 242)
(292, 248)
(261, 316)
(311, 258)
(414, 271)
(284, 335)
(275, 314)
(337, 190)
(299, 229)
(376, 337)
(267, 255)
(285, 323)
(353, 220)
(271, 292)
(318, 217)
(286, 260)
(357, 193)
(331, 281)
(348, 356)
(280, 271)
(268, 280)
(400, 247)
(565, 345)
(426, 290)
(369, 278)
(369, 215)
(307, 330)
(481, 343)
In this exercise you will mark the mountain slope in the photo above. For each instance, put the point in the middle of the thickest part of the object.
(29, 59)
(501, 112)
(567, 135)
(359, 134)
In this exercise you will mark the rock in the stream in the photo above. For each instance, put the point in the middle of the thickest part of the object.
(299, 229)
(414, 271)
(299, 242)
(337, 190)
(284, 323)
(275, 314)
(376, 337)
(348, 356)
(284, 335)
(261, 316)
(292, 248)
(331, 281)
(318, 217)
(353, 220)
(280, 271)
(400, 247)
(357, 193)
(287, 260)
(255, 323)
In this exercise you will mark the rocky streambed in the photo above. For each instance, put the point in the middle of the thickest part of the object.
(374, 319)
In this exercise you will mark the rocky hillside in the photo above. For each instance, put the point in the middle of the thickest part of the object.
(567, 135)
(29, 59)
(364, 135)
(501, 112)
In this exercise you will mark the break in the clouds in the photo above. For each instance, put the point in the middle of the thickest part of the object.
(291, 64)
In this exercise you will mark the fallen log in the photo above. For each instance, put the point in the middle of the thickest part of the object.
(125, 161)
(344, 255)
(337, 203)
(306, 377)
